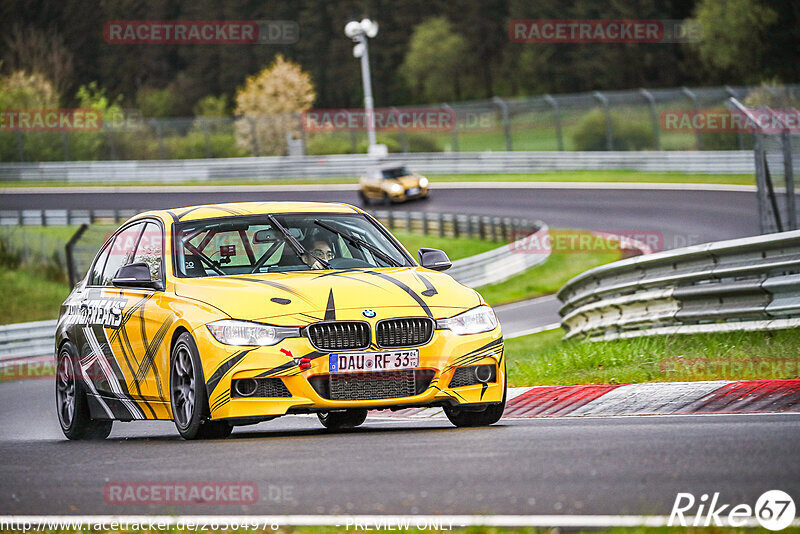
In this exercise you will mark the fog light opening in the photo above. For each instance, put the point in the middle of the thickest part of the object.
(483, 373)
(246, 387)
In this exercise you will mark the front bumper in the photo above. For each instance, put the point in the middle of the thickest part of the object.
(440, 359)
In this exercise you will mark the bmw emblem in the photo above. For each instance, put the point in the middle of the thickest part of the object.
(369, 314)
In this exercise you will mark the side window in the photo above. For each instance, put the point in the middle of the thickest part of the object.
(149, 250)
(97, 271)
(121, 252)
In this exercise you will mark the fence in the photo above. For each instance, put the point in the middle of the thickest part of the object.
(776, 154)
(742, 284)
(606, 121)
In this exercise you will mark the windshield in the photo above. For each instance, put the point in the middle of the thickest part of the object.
(298, 242)
(397, 172)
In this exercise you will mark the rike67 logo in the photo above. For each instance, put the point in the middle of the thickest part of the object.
(773, 510)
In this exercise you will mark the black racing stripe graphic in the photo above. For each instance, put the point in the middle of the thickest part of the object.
(275, 370)
(118, 409)
(483, 389)
(124, 339)
(314, 354)
(490, 345)
(175, 218)
(407, 289)
(223, 369)
(127, 314)
(221, 399)
(116, 371)
(429, 289)
(330, 308)
(148, 360)
(276, 285)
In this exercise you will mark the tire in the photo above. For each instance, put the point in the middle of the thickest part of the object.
(463, 418)
(342, 420)
(188, 396)
(364, 199)
(386, 200)
(72, 407)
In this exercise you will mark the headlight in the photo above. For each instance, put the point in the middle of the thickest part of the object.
(474, 321)
(423, 182)
(396, 188)
(232, 332)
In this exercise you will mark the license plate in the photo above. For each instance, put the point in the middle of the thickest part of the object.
(364, 362)
(413, 191)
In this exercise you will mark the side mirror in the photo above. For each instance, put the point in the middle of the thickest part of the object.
(434, 259)
(136, 275)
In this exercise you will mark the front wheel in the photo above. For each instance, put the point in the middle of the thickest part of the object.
(71, 403)
(461, 417)
(342, 420)
(188, 397)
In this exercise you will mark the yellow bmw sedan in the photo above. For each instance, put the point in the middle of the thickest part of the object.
(232, 314)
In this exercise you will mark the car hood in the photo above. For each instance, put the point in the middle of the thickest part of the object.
(408, 181)
(299, 298)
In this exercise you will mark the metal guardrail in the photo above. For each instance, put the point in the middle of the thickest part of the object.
(23, 340)
(271, 168)
(751, 283)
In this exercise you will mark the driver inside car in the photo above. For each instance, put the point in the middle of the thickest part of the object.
(318, 249)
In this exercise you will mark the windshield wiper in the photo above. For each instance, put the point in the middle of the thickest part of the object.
(295, 244)
(357, 241)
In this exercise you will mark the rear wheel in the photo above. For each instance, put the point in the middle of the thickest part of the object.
(71, 403)
(342, 420)
(189, 399)
(492, 414)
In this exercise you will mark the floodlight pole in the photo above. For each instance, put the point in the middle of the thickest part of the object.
(369, 104)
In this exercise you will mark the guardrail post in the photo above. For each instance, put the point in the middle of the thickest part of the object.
(65, 146)
(693, 97)
(440, 217)
(407, 216)
(424, 223)
(557, 119)
(482, 228)
(740, 135)
(403, 135)
(653, 117)
(70, 260)
(390, 220)
(609, 129)
(112, 146)
(206, 138)
(506, 120)
(254, 135)
(788, 173)
(454, 133)
(20, 145)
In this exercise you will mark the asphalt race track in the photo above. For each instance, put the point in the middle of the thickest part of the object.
(625, 465)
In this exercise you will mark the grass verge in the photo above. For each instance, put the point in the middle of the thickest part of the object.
(29, 297)
(543, 359)
(544, 279)
(456, 248)
(626, 176)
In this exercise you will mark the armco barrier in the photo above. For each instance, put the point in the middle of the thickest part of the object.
(741, 284)
(27, 339)
(270, 168)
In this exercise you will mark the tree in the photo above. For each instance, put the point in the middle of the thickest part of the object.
(42, 52)
(436, 61)
(269, 103)
(735, 37)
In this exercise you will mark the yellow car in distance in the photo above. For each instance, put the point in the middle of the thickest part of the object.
(390, 184)
(232, 314)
